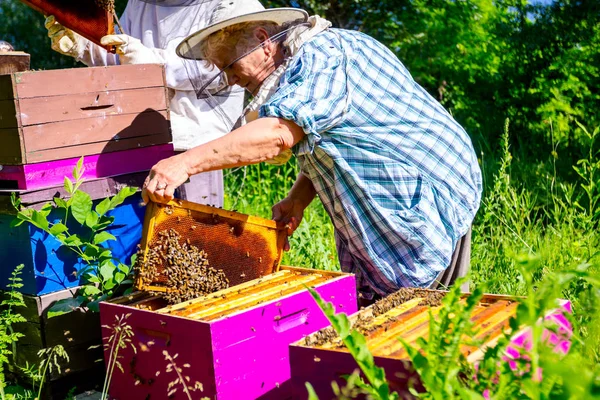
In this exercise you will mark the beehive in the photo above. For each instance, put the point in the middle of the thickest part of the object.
(235, 340)
(117, 116)
(321, 358)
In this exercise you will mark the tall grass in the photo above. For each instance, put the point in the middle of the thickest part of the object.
(544, 208)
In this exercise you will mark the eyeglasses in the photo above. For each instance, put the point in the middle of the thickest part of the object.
(275, 38)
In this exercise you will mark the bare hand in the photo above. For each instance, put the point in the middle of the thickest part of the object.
(288, 213)
(166, 176)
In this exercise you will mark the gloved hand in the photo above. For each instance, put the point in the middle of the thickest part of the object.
(64, 40)
(130, 49)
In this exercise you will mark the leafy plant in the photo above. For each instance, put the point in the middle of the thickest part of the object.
(181, 381)
(9, 317)
(119, 338)
(86, 236)
(50, 361)
(355, 342)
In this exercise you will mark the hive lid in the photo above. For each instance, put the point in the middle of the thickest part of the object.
(85, 17)
(244, 247)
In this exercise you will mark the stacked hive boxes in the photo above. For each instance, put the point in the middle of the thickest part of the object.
(117, 118)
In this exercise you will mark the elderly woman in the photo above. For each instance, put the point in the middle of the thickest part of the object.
(396, 173)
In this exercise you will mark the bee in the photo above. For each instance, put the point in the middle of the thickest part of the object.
(193, 227)
(242, 275)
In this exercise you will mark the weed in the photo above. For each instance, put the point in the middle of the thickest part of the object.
(9, 317)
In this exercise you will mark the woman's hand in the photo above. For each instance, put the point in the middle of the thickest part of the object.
(166, 176)
(288, 213)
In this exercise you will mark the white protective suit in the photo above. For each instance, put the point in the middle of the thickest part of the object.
(193, 121)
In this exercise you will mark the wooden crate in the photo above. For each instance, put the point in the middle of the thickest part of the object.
(234, 342)
(13, 61)
(76, 331)
(321, 362)
(48, 267)
(47, 116)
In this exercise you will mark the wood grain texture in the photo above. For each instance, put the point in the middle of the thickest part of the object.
(93, 79)
(98, 148)
(14, 61)
(40, 110)
(95, 129)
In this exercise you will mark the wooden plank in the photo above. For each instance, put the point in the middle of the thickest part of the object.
(98, 148)
(48, 174)
(6, 87)
(8, 114)
(92, 79)
(13, 61)
(97, 189)
(46, 109)
(95, 129)
(11, 151)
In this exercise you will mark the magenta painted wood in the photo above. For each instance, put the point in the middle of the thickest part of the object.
(321, 367)
(52, 173)
(240, 356)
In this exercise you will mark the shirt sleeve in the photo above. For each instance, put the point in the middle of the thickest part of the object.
(312, 93)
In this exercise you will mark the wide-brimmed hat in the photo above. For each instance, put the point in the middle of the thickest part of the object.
(231, 12)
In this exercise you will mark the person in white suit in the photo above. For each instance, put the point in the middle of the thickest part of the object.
(152, 31)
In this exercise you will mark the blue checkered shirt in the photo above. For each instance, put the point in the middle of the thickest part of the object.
(396, 173)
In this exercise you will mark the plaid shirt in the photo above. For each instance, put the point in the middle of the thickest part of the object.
(396, 173)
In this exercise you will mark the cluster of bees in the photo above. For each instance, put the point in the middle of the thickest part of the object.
(184, 267)
(108, 5)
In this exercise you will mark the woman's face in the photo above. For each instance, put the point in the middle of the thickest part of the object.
(250, 71)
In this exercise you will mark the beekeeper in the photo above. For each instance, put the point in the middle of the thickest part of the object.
(154, 28)
(396, 173)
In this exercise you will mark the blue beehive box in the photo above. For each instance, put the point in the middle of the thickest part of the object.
(50, 267)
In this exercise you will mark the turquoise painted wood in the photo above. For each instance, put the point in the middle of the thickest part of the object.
(50, 267)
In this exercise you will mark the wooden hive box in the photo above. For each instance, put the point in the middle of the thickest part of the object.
(234, 342)
(76, 331)
(48, 267)
(117, 116)
(321, 358)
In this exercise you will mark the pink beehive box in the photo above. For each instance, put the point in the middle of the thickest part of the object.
(232, 343)
(320, 359)
(237, 349)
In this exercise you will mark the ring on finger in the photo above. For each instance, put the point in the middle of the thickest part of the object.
(161, 186)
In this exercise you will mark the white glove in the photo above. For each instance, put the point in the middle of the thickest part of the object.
(130, 49)
(64, 40)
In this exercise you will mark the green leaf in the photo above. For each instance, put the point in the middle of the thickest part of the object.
(109, 284)
(90, 290)
(39, 220)
(95, 305)
(61, 203)
(73, 240)
(91, 219)
(92, 278)
(103, 237)
(104, 223)
(58, 228)
(120, 197)
(64, 306)
(123, 268)
(103, 206)
(107, 270)
(68, 185)
(16, 222)
(119, 277)
(81, 206)
(78, 170)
